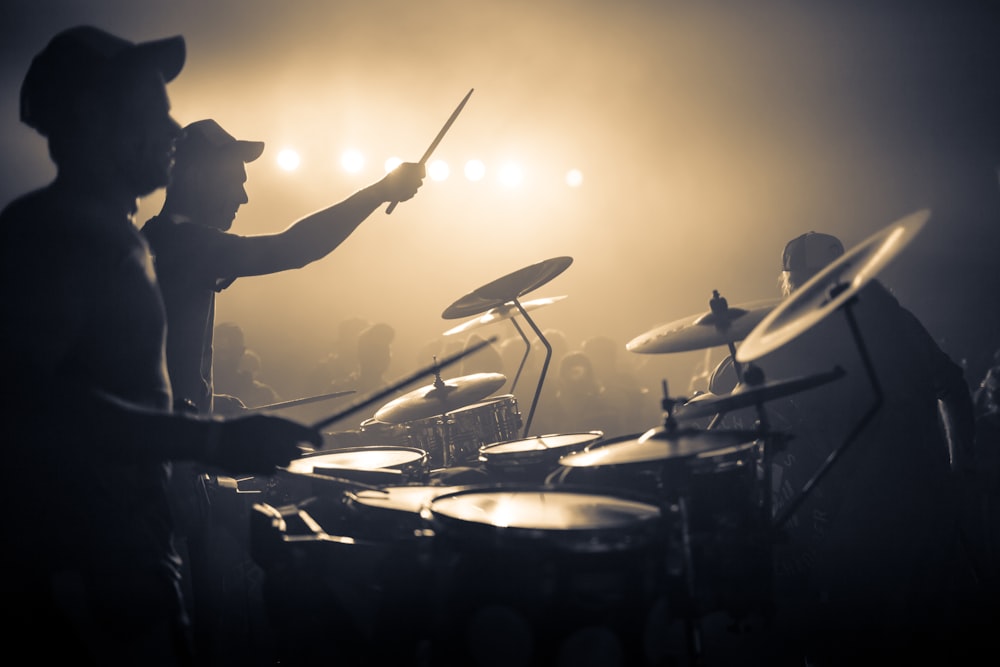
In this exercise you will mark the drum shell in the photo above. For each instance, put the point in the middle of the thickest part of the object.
(473, 426)
(549, 585)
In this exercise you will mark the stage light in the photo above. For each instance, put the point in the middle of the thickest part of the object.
(475, 170)
(438, 170)
(511, 174)
(289, 159)
(392, 163)
(574, 178)
(352, 160)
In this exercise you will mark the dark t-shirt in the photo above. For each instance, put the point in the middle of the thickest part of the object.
(82, 312)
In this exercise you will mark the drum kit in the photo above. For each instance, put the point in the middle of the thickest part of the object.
(487, 544)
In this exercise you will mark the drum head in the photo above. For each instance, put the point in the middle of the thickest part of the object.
(574, 519)
(356, 458)
(401, 498)
(538, 449)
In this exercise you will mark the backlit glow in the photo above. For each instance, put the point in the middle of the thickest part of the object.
(511, 174)
(475, 170)
(392, 163)
(289, 159)
(352, 160)
(574, 178)
(438, 170)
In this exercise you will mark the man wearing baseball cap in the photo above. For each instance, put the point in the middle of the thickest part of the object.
(89, 555)
(871, 565)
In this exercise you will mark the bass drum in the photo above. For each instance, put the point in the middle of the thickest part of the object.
(533, 575)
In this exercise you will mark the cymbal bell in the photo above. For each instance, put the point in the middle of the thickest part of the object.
(499, 313)
(744, 395)
(440, 397)
(829, 289)
(507, 288)
(659, 444)
(704, 330)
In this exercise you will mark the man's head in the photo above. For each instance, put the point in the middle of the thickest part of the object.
(207, 182)
(101, 102)
(805, 256)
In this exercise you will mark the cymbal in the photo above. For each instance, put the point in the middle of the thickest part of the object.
(704, 330)
(659, 444)
(440, 397)
(509, 287)
(829, 289)
(499, 313)
(744, 395)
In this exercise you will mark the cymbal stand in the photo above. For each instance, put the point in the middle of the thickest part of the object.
(524, 358)
(674, 500)
(720, 313)
(545, 364)
(788, 510)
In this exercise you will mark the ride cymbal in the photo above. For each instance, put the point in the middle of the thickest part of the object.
(659, 444)
(440, 397)
(507, 288)
(704, 330)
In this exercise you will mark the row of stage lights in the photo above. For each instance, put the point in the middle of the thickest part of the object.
(509, 174)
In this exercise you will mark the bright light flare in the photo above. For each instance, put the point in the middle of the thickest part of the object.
(392, 163)
(352, 160)
(574, 178)
(475, 170)
(289, 159)
(438, 170)
(511, 174)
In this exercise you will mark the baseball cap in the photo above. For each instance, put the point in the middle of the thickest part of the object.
(80, 58)
(811, 252)
(206, 137)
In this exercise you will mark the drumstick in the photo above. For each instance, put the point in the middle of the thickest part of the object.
(396, 386)
(438, 138)
(302, 401)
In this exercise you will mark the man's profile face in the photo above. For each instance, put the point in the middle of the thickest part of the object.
(212, 189)
(143, 134)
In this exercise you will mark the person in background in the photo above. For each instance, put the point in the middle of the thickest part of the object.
(871, 564)
(89, 538)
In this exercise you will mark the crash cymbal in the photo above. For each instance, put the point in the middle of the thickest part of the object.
(830, 288)
(705, 330)
(440, 397)
(504, 312)
(744, 395)
(658, 444)
(505, 289)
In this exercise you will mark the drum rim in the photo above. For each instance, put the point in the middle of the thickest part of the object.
(640, 531)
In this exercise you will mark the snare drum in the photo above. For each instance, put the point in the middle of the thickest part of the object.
(320, 473)
(479, 424)
(545, 571)
(531, 460)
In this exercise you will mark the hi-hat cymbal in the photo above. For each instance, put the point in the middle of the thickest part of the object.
(744, 395)
(440, 397)
(659, 444)
(829, 289)
(504, 312)
(509, 287)
(704, 330)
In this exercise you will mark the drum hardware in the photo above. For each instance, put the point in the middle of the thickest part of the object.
(505, 291)
(506, 311)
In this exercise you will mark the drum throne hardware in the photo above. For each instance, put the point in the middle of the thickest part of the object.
(506, 291)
